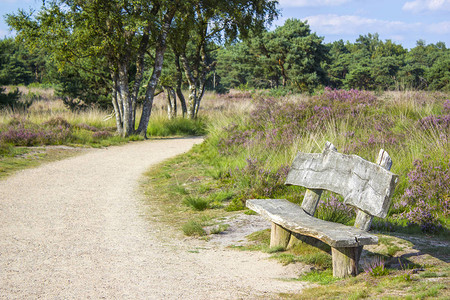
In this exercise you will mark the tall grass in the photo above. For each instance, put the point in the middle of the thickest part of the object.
(250, 151)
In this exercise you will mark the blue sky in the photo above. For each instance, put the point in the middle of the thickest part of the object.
(403, 21)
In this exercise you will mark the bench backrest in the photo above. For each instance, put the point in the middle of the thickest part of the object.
(363, 184)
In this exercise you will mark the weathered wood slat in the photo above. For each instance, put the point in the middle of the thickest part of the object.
(364, 221)
(312, 197)
(363, 184)
(292, 217)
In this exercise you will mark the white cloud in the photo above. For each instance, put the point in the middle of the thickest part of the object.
(349, 24)
(418, 6)
(439, 28)
(311, 3)
(19, 1)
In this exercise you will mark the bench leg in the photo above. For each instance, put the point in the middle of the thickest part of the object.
(345, 261)
(279, 237)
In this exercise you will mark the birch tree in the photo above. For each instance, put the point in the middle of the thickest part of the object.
(207, 24)
(121, 32)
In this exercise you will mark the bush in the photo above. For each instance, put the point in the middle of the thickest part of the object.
(333, 210)
(193, 228)
(196, 203)
(375, 267)
(427, 195)
(11, 100)
(27, 134)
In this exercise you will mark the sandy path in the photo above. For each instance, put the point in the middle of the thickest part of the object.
(75, 229)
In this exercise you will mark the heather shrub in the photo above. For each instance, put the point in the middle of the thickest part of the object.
(427, 195)
(55, 131)
(375, 267)
(254, 180)
(334, 210)
(87, 127)
(103, 134)
(57, 122)
(256, 145)
(27, 134)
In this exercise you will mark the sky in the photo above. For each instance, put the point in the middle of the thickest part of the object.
(402, 21)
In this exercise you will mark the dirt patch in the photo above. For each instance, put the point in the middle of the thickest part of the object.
(239, 226)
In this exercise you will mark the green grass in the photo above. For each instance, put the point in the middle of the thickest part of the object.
(196, 203)
(20, 158)
(220, 176)
(193, 228)
(320, 277)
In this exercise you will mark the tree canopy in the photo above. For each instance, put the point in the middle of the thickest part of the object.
(128, 37)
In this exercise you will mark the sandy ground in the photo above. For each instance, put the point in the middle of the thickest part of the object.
(76, 229)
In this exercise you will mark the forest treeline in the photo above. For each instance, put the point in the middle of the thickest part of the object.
(288, 58)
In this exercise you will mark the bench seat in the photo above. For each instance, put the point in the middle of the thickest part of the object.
(293, 218)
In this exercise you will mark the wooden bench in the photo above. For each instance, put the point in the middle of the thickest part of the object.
(366, 186)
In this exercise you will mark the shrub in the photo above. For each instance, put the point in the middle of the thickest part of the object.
(35, 136)
(427, 195)
(6, 149)
(256, 180)
(333, 210)
(196, 203)
(21, 132)
(57, 122)
(375, 267)
(101, 134)
(193, 228)
(11, 100)
(87, 127)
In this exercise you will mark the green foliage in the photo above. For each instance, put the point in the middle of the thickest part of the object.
(6, 150)
(81, 90)
(178, 126)
(321, 277)
(290, 56)
(18, 65)
(196, 203)
(193, 228)
(11, 100)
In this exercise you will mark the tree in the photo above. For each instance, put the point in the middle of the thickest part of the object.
(438, 75)
(14, 65)
(297, 53)
(197, 34)
(10, 99)
(339, 65)
(120, 33)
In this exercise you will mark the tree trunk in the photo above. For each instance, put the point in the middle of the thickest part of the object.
(116, 105)
(125, 99)
(157, 69)
(139, 71)
(179, 79)
(171, 105)
(192, 87)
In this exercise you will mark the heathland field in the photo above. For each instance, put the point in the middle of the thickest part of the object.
(251, 138)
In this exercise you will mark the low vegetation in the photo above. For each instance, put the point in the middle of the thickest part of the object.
(247, 155)
(252, 139)
(27, 132)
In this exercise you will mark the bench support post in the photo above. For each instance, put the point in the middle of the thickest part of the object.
(279, 237)
(345, 261)
(310, 201)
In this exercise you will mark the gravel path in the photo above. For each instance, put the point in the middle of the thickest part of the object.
(75, 229)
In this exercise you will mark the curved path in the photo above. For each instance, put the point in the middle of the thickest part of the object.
(76, 229)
